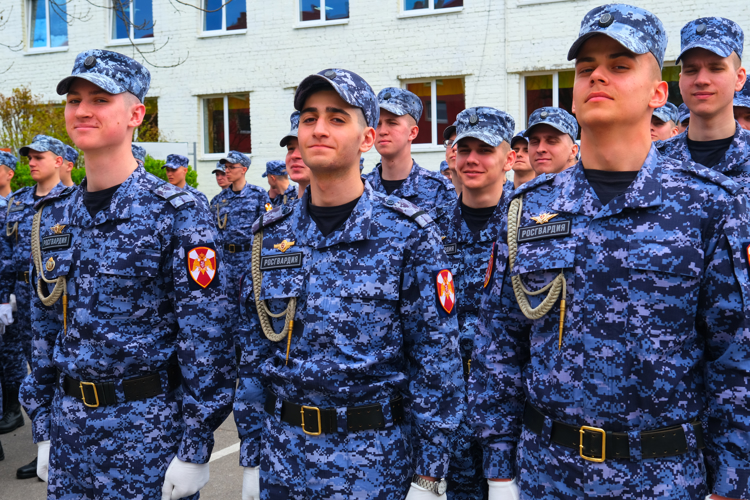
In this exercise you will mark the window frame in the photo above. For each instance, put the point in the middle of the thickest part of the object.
(555, 89)
(437, 144)
(320, 22)
(30, 18)
(114, 42)
(218, 156)
(223, 31)
(429, 11)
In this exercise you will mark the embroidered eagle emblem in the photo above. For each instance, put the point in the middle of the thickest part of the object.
(544, 218)
(58, 228)
(284, 246)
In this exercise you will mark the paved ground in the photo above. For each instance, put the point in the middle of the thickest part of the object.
(226, 474)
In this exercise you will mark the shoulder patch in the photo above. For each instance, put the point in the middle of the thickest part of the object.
(175, 196)
(710, 175)
(272, 217)
(532, 184)
(408, 209)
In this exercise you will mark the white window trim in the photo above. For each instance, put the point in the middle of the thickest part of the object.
(429, 11)
(217, 156)
(555, 88)
(119, 42)
(43, 50)
(434, 146)
(523, 3)
(29, 42)
(116, 42)
(223, 31)
(320, 22)
(216, 33)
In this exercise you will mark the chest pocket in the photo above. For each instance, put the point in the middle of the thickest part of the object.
(55, 265)
(540, 261)
(369, 303)
(14, 219)
(124, 283)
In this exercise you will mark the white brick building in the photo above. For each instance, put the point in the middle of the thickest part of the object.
(511, 55)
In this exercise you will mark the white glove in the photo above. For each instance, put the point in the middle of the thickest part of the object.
(183, 479)
(251, 483)
(416, 492)
(42, 460)
(503, 490)
(6, 314)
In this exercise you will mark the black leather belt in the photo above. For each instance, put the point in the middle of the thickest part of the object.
(22, 276)
(598, 445)
(234, 248)
(96, 394)
(315, 421)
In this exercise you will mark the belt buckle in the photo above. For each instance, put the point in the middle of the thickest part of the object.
(83, 395)
(582, 431)
(232, 248)
(320, 424)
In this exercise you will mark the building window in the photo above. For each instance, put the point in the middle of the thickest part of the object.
(132, 19)
(671, 75)
(149, 129)
(426, 6)
(48, 24)
(552, 89)
(226, 124)
(231, 17)
(312, 10)
(442, 99)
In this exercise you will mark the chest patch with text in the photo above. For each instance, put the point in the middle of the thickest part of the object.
(283, 261)
(57, 241)
(450, 248)
(544, 231)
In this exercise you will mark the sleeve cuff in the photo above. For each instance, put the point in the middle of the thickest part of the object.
(432, 461)
(195, 449)
(40, 430)
(499, 464)
(249, 453)
(732, 483)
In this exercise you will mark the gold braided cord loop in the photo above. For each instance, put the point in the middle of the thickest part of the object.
(36, 254)
(556, 286)
(221, 224)
(8, 231)
(264, 314)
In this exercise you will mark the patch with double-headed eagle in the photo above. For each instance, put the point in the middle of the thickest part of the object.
(202, 265)
(446, 290)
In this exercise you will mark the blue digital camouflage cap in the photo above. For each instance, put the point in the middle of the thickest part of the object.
(449, 131)
(8, 160)
(236, 157)
(71, 154)
(635, 28)
(42, 143)
(176, 161)
(668, 112)
(294, 122)
(350, 86)
(519, 137)
(219, 168)
(113, 72)
(361, 163)
(275, 167)
(489, 125)
(684, 112)
(400, 102)
(138, 152)
(716, 34)
(742, 98)
(443, 166)
(557, 118)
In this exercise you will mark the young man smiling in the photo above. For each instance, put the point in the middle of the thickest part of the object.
(397, 173)
(613, 353)
(350, 372)
(176, 168)
(552, 140)
(711, 53)
(133, 367)
(295, 165)
(469, 227)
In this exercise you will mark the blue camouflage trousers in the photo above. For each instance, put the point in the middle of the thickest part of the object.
(547, 471)
(112, 452)
(15, 346)
(370, 464)
(465, 475)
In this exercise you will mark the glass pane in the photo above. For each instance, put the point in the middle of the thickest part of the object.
(213, 126)
(149, 129)
(143, 20)
(38, 11)
(337, 9)
(424, 91)
(236, 15)
(416, 4)
(239, 123)
(213, 19)
(58, 29)
(671, 75)
(120, 15)
(538, 93)
(565, 90)
(448, 4)
(309, 10)
(450, 102)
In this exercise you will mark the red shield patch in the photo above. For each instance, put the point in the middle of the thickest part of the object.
(446, 291)
(269, 207)
(202, 265)
(488, 275)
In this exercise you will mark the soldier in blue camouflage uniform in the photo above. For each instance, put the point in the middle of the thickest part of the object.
(522, 171)
(235, 209)
(398, 174)
(627, 377)
(368, 343)
(552, 140)
(132, 368)
(8, 164)
(711, 52)
(221, 180)
(684, 118)
(469, 227)
(445, 169)
(664, 122)
(295, 165)
(66, 171)
(138, 153)
(278, 180)
(741, 105)
(176, 167)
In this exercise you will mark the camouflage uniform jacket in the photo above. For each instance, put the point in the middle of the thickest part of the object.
(287, 196)
(368, 325)
(198, 195)
(656, 329)
(240, 210)
(133, 304)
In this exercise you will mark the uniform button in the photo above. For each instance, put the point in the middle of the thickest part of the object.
(330, 74)
(700, 29)
(606, 20)
(390, 202)
(473, 119)
(387, 96)
(544, 114)
(89, 62)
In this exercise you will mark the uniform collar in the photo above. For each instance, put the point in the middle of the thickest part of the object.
(122, 200)
(410, 186)
(736, 156)
(459, 232)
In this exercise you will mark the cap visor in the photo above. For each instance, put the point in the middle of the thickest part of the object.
(448, 132)
(264, 174)
(102, 81)
(303, 91)
(393, 108)
(742, 102)
(481, 135)
(553, 125)
(516, 139)
(39, 148)
(700, 45)
(285, 140)
(618, 35)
